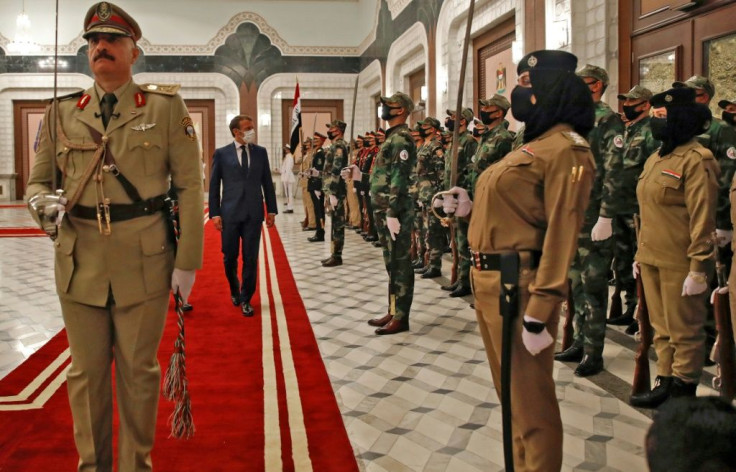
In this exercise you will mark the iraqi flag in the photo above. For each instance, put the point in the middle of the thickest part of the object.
(296, 120)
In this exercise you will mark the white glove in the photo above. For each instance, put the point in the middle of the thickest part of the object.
(460, 206)
(635, 269)
(183, 281)
(355, 190)
(357, 174)
(602, 230)
(333, 202)
(393, 226)
(535, 343)
(314, 172)
(718, 290)
(317, 194)
(724, 237)
(345, 173)
(695, 284)
(47, 211)
(420, 204)
(438, 203)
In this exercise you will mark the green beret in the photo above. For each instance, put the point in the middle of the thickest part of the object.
(547, 59)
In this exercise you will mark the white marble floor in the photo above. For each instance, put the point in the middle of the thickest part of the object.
(416, 401)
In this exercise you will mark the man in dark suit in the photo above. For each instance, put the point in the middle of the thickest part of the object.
(243, 170)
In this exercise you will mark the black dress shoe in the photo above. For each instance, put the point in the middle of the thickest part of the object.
(680, 388)
(247, 309)
(288, 211)
(421, 270)
(589, 366)
(382, 321)
(372, 239)
(317, 238)
(235, 299)
(655, 397)
(432, 273)
(451, 287)
(417, 264)
(633, 328)
(394, 326)
(375, 243)
(461, 291)
(573, 353)
(187, 307)
(623, 320)
(332, 262)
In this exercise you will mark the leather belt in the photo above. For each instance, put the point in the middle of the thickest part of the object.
(493, 261)
(122, 211)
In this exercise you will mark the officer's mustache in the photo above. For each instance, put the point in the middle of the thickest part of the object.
(103, 55)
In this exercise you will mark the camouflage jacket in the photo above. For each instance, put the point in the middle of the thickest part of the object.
(721, 140)
(639, 144)
(392, 172)
(518, 139)
(336, 159)
(465, 152)
(606, 143)
(494, 145)
(430, 170)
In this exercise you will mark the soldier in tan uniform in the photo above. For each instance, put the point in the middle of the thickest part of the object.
(532, 202)
(677, 193)
(114, 259)
(305, 163)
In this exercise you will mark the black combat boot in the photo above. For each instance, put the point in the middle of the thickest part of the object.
(655, 397)
(590, 365)
(625, 319)
(680, 388)
(431, 273)
(573, 353)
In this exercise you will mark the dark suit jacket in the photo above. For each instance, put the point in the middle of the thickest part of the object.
(242, 192)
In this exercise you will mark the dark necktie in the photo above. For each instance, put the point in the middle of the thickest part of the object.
(107, 105)
(244, 158)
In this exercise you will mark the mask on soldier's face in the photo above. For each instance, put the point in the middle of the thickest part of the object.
(330, 135)
(386, 112)
(659, 128)
(487, 118)
(630, 111)
(521, 102)
(450, 124)
(729, 118)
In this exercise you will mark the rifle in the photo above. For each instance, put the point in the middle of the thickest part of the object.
(568, 331)
(725, 380)
(642, 380)
(616, 309)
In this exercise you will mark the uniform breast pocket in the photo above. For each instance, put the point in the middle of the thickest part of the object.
(147, 150)
(72, 161)
(514, 170)
(671, 191)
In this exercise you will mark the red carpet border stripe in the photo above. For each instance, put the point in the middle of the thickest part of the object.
(21, 233)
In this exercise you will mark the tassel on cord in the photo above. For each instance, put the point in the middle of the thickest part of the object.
(175, 386)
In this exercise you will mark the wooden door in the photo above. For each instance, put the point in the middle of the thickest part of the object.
(714, 51)
(662, 57)
(27, 118)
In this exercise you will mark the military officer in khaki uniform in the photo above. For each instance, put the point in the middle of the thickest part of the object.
(677, 193)
(532, 202)
(118, 146)
(304, 161)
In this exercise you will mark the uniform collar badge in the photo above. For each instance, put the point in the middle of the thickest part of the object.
(668, 98)
(140, 99)
(143, 126)
(83, 101)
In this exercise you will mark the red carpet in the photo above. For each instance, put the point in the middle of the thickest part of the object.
(21, 232)
(239, 369)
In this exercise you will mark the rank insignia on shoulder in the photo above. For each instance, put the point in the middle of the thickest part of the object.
(575, 138)
(618, 141)
(162, 89)
(83, 101)
(143, 126)
(140, 99)
(731, 153)
(403, 155)
(527, 150)
(672, 173)
(188, 125)
(61, 98)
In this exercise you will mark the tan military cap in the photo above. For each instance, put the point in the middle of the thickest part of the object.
(401, 99)
(698, 82)
(104, 17)
(636, 92)
(496, 100)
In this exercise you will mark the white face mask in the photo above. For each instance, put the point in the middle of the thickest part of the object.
(249, 136)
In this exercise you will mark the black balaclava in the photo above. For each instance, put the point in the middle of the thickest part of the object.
(685, 118)
(561, 96)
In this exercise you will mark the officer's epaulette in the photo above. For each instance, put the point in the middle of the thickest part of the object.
(161, 89)
(76, 94)
(576, 140)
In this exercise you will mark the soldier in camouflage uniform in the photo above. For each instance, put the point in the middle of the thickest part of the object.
(335, 188)
(467, 147)
(430, 172)
(394, 210)
(478, 129)
(589, 271)
(496, 140)
(315, 184)
(518, 139)
(639, 144)
(418, 247)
